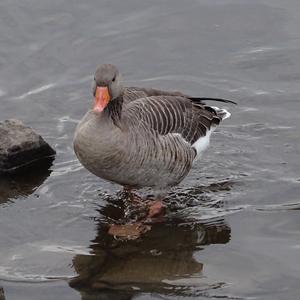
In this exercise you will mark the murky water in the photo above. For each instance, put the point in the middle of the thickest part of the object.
(232, 228)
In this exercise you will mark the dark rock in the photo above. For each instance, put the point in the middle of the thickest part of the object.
(20, 147)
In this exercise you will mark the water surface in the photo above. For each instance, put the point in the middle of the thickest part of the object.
(232, 228)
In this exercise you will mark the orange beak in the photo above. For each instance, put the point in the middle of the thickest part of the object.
(102, 98)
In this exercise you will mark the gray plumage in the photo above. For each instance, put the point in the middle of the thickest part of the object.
(144, 137)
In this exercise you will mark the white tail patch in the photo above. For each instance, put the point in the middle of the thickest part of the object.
(202, 143)
(221, 112)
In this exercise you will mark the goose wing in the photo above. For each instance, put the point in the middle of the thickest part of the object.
(174, 115)
(135, 93)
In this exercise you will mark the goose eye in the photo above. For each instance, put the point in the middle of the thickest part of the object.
(114, 79)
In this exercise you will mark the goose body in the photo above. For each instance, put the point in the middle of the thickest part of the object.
(142, 137)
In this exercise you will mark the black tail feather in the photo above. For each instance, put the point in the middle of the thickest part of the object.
(197, 99)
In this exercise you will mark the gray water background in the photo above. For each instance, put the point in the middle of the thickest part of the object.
(233, 227)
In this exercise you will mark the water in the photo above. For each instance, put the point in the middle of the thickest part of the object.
(232, 229)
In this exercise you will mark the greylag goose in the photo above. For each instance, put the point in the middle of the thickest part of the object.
(139, 137)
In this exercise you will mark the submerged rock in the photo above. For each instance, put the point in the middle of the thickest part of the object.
(21, 147)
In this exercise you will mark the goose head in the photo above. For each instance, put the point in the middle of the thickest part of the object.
(106, 86)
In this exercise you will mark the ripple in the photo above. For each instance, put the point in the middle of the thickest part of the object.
(66, 167)
(259, 130)
(278, 207)
(62, 121)
(261, 57)
(260, 50)
(247, 109)
(65, 249)
(205, 203)
(186, 77)
(36, 91)
(30, 262)
(204, 214)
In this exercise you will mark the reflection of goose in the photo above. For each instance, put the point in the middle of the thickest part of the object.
(162, 256)
(24, 183)
(140, 137)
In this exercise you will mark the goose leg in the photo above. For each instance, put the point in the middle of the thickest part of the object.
(136, 208)
(135, 199)
(140, 209)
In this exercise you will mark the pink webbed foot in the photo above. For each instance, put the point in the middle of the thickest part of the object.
(156, 210)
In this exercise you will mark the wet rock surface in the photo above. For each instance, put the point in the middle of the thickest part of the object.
(20, 147)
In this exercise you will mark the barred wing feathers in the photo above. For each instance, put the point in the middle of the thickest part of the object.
(175, 115)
